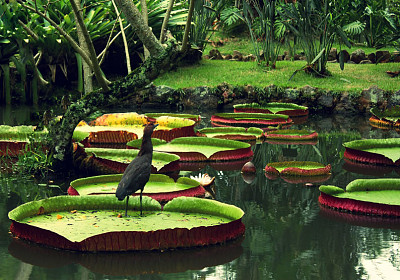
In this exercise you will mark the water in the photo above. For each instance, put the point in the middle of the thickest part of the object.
(288, 235)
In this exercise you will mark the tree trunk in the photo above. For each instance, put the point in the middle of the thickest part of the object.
(165, 21)
(143, 31)
(87, 72)
(60, 133)
(188, 26)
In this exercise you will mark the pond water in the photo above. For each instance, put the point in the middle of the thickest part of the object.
(288, 235)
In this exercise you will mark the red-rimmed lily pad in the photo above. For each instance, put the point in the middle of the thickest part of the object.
(201, 148)
(374, 151)
(367, 169)
(389, 118)
(14, 140)
(92, 223)
(377, 197)
(289, 109)
(250, 119)
(291, 136)
(232, 133)
(112, 161)
(124, 127)
(160, 187)
(298, 171)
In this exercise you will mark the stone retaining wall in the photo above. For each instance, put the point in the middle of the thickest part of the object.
(224, 96)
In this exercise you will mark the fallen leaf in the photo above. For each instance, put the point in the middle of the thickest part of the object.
(59, 217)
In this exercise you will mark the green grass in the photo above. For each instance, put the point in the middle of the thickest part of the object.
(243, 44)
(354, 78)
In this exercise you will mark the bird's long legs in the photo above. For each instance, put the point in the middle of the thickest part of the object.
(126, 207)
(141, 192)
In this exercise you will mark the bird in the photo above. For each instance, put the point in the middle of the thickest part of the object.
(137, 174)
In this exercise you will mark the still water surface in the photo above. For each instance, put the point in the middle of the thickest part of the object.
(288, 235)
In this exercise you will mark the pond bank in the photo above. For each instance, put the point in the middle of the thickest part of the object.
(319, 101)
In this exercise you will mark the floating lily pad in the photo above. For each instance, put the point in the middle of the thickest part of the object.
(378, 197)
(91, 223)
(159, 187)
(374, 151)
(298, 171)
(124, 127)
(202, 148)
(14, 140)
(193, 117)
(233, 133)
(289, 109)
(250, 119)
(387, 118)
(112, 161)
(291, 136)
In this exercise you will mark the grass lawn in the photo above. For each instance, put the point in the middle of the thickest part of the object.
(354, 78)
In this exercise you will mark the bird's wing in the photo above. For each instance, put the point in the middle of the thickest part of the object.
(135, 178)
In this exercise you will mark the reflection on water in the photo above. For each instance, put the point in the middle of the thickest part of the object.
(288, 235)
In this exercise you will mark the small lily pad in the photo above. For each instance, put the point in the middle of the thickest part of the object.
(233, 133)
(15, 140)
(92, 223)
(250, 119)
(386, 118)
(289, 109)
(297, 168)
(291, 136)
(378, 197)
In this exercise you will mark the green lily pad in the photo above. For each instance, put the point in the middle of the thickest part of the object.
(377, 151)
(289, 109)
(367, 196)
(388, 117)
(93, 223)
(14, 140)
(193, 117)
(250, 119)
(291, 136)
(233, 133)
(290, 169)
(201, 148)
(124, 127)
(160, 187)
(116, 160)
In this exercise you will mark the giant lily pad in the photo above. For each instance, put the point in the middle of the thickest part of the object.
(14, 140)
(154, 116)
(159, 187)
(112, 161)
(298, 171)
(91, 223)
(202, 148)
(250, 119)
(289, 109)
(385, 119)
(233, 133)
(124, 127)
(374, 151)
(291, 136)
(378, 197)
